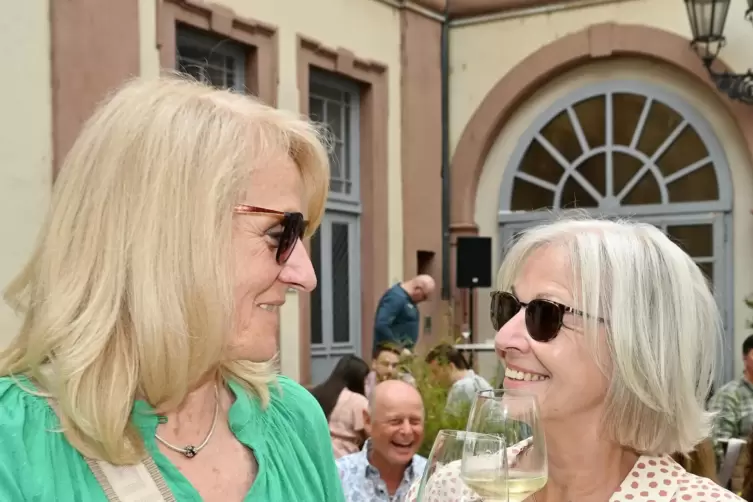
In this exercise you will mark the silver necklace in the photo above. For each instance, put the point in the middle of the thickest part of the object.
(191, 451)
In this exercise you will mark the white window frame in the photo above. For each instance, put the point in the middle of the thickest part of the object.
(339, 201)
(340, 208)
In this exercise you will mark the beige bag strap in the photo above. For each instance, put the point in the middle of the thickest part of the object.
(131, 483)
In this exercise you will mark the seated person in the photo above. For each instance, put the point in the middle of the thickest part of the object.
(733, 405)
(385, 365)
(385, 468)
(450, 367)
(342, 399)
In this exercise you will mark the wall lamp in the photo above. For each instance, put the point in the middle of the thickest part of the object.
(707, 18)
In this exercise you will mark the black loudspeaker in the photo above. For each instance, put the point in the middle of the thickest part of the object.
(473, 262)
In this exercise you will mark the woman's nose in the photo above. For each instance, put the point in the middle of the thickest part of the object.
(298, 271)
(513, 334)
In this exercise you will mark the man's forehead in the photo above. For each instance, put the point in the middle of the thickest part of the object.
(398, 403)
(406, 410)
(387, 355)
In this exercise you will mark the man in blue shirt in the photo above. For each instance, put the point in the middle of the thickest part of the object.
(387, 466)
(397, 316)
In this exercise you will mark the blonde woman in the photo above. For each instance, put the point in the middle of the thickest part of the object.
(151, 309)
(614, 329)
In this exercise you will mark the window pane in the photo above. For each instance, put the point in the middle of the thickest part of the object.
(628, 107)
(330, 103)
(340, 283)
(537, 162)
(347, 142)
(591, 114)
(528, 197)
(316, 294)
(646, 191)
(334, 119)
(696, 240)
(660, 124)
(624, 168)
(559, 132)
(218, 76)
(685, 150)
(708, 271)
(196, 71)
(699, 185)
(316, 109)
(335, 159)
(321, 90)
(574, 195)
(219, 62)
(336, 186)
(594, 169)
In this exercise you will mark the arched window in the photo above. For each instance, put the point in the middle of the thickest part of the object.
(628, 149)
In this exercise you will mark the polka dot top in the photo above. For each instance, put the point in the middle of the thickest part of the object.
(652, 479)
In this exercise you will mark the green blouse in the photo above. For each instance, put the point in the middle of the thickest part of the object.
(290, 439)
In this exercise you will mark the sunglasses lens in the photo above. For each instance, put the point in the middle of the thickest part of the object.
(293, 227)
(504, 307)
(543, 320)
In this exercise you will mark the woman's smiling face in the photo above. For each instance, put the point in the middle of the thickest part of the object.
(563, 372)
(260, 282)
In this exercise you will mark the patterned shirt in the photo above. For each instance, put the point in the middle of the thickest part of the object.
(464, 391)
(652, 479)
(362, 483)
(734, 406)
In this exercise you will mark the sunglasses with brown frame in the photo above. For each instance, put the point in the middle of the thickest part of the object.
(293, 228)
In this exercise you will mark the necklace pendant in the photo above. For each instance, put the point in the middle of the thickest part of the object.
(189, 451)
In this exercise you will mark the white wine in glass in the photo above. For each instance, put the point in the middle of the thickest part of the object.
(513, 487)
(441, 481)
(484, 466)
(514, 416)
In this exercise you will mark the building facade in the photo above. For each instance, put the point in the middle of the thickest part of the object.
(595, 104)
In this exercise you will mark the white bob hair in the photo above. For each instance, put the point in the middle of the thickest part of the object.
(661, 321)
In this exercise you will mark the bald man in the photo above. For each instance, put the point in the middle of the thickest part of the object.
(397, 318)
(387, 466)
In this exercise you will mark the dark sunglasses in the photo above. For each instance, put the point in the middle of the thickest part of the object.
(543, 317)
(293, 228)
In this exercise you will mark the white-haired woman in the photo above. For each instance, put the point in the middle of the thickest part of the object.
(144, 367)
(620, 328)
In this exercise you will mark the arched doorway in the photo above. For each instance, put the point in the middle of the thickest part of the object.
(630, 149)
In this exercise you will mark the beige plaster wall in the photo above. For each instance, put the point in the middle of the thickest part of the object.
(506, 42)
(704, 101)
(371, 30)
(25, 139)
(148, 53)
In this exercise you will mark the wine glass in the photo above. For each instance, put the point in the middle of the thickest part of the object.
(484, 466)
(442, 480)
(514, 416)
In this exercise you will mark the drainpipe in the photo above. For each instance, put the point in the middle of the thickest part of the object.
(445, 84)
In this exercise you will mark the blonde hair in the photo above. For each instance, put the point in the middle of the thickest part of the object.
(129, 290)
(662, 324)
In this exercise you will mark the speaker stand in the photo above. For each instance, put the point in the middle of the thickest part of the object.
(471, 320)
